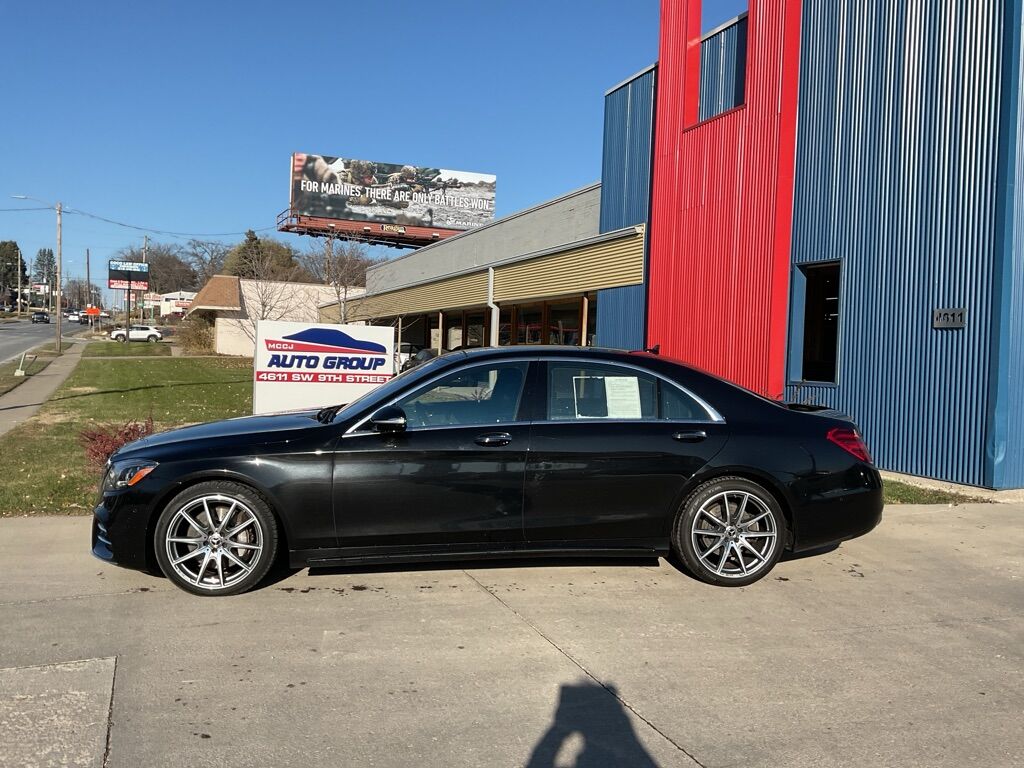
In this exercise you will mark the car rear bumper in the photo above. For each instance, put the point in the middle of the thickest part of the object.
(843, 511)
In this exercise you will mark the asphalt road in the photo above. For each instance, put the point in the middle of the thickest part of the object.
(902, 648)
(21, 335)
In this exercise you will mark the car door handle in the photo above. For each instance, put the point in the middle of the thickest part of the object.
(492, 439)
(690, 437)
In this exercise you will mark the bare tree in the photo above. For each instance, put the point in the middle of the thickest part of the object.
(168, 271)
(341, 265)
(206, 257)
(269, 292)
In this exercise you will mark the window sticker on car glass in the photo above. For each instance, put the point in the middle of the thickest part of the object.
(623, 397)
(606, 397)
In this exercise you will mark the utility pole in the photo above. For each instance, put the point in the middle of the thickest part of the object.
(145, 259)
(88, 287)
(59, 315)
(17, 306)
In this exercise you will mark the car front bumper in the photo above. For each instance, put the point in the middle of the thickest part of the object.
(120, 524)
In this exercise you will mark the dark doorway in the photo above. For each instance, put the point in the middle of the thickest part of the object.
(821, 322)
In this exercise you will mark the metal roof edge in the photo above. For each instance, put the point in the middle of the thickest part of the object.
(723, 26)
(615, 234)
(496, 222)
(631, 78)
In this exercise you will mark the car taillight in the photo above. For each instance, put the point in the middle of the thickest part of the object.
(850, 441)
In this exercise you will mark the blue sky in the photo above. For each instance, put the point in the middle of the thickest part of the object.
(182, 116)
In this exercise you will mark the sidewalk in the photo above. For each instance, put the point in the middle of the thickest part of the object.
(23, 401)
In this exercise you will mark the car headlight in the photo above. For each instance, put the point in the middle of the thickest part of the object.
(124, 474)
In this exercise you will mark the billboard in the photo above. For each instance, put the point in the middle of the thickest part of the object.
(390, 194)
(123, 275)
(310, 365)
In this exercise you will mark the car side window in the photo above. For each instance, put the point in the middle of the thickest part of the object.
(595, 391)
(580, 392)
(483, 394)
(676, 405)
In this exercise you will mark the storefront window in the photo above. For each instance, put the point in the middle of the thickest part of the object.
(564, 322)
(505, 327)
(453, 330)
(476, 330)
(529, 328)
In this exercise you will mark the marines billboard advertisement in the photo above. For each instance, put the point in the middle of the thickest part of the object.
(310, 365)
(390, 194)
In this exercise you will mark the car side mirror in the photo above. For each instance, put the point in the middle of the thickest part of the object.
(389, 419)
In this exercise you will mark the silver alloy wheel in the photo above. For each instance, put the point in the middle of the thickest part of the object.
(734, 534)
(214, 541)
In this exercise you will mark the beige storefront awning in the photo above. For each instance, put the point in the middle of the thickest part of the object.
(610, 260)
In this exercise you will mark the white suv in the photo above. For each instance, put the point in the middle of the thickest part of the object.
(138, 333)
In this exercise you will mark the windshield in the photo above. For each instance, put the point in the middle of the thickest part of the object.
(385, 391)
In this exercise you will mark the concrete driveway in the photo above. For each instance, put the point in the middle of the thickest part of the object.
(903, 648)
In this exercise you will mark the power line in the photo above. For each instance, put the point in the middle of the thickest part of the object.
(162, 231)
(153, 230)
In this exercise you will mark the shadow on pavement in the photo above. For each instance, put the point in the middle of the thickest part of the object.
(592, 726)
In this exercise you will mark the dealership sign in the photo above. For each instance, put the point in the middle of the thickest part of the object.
(310, 365)
(390, 195)
(128, 275)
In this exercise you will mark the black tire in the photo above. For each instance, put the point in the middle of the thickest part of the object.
(151, 339)
(739, 552)
(261, 542)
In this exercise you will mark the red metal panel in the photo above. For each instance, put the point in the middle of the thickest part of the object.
(722, 203)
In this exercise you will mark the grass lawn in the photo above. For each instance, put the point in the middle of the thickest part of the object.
(901, 493)
(42, 462)
(131, 349)
(8, 381)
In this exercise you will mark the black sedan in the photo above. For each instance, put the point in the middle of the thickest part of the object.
(507, 452)
(40, 317)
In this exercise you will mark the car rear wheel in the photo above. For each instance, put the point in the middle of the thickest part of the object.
(729, 532)
(216, 538)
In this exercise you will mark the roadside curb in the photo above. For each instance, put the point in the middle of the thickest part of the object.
(22, 402)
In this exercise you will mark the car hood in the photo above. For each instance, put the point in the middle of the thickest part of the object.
(243, 426)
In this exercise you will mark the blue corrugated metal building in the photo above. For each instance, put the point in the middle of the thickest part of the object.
(906, 290)
(904, 184)
(625, 198)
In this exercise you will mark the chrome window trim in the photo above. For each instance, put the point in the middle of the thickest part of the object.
(714, 417)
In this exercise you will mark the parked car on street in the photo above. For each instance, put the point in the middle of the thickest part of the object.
(507, 452)
(405, 351)
(148, 333)
(420, 357)
(72, 317)
(40, 317)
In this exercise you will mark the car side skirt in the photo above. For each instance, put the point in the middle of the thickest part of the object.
(322, 558)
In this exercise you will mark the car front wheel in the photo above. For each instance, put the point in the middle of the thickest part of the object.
(730, 532)
(216, 538)
(151, 339)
